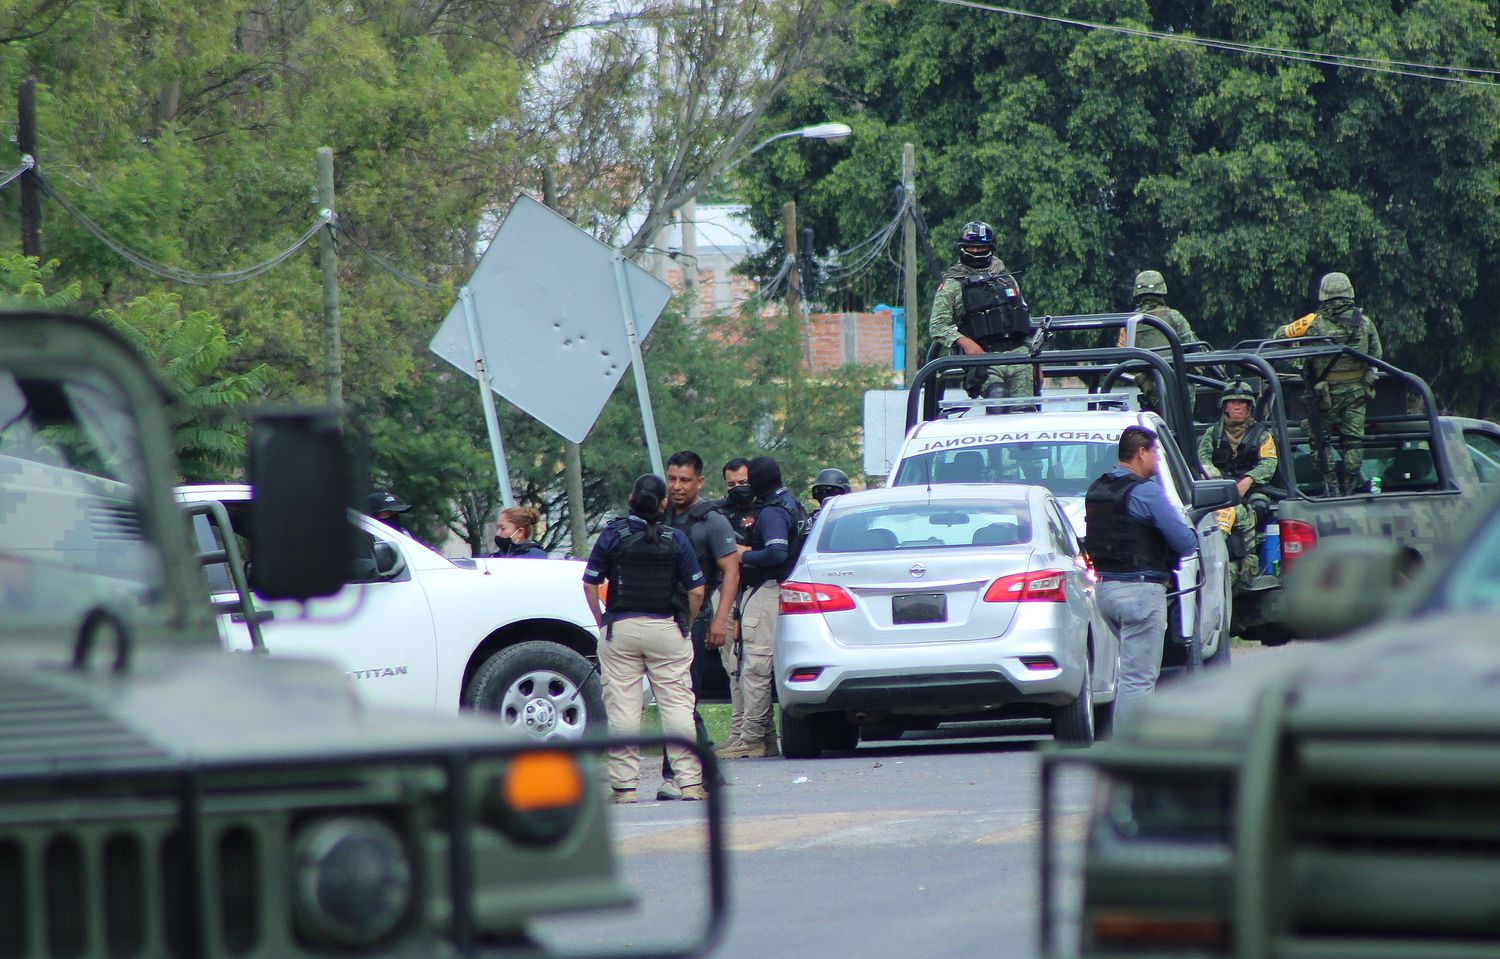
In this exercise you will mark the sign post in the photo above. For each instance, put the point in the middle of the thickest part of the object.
(487, 397)
(642, 392)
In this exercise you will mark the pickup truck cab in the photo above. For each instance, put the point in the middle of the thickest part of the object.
(416, 630)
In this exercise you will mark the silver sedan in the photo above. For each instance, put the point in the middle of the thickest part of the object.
(918, 605)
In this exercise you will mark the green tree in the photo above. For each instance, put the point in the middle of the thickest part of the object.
(192, 351)
(1244, 178)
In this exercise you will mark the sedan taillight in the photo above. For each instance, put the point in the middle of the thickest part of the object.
(813, 598)
(1042, 586)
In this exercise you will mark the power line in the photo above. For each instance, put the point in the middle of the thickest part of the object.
(26, 164)
(393, 271)
(325, 220)
(1420, 71)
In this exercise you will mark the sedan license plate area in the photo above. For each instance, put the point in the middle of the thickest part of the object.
(909, 608)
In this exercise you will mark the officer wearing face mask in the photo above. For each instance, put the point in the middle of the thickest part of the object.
(739, 499)
(513, 532)
(764, 563)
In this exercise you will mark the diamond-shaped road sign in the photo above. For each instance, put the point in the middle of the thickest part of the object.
(550, 318)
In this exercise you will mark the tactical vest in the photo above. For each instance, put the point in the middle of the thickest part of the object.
(1118, 542)
(643, 572)
(1149, 337)
(1354, 334)
(995, 314)
(1233, 465)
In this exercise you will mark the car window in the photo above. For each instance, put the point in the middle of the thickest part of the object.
(1484, 452)
(925, 526)
(1066, 467)
(1061, 531)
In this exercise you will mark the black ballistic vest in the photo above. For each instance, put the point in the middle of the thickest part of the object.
(1233, 465)
(995, 314)
(643, 572)
(1116, 541)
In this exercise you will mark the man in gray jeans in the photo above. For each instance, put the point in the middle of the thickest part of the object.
(1135, 537)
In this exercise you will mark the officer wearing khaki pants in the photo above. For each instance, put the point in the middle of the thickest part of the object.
(655, 589)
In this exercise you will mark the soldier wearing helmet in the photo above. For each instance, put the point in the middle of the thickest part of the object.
(1339, 384)
(827, 484)
(1241, 448)
(1150, 297)
(979, 308)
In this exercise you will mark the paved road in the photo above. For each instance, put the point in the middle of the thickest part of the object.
(925, 847)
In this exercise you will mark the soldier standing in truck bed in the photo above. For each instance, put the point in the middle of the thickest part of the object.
(1339, 385)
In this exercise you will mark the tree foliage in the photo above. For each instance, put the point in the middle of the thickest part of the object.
(1244, 178)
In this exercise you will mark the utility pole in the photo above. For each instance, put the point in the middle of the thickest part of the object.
(328, 258)
(578, 531)
(794, 288)
(909, 257)
(31, 194)
(687, 222)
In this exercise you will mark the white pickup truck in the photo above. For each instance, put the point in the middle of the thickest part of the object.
(1066, 450)
(417, 630)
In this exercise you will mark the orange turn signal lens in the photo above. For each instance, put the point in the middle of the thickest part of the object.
(542, 780)
(1134, 931)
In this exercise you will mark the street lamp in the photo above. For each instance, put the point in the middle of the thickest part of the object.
(830, 132)
(827, 132)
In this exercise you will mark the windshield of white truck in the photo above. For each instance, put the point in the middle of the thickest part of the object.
(1066, 467)
(70, 533)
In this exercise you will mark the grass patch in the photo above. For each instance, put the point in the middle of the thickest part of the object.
(715, 719)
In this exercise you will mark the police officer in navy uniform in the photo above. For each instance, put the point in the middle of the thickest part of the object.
(655, 589)
(713, 541)
(764, 563)
(1135, 538)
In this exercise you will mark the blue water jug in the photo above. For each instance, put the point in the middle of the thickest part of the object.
(1270, 550)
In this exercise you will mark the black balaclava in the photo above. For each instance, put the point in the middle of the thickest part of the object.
(765, 476)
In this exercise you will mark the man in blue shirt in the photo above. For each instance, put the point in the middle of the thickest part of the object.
(655, 589)
(1135, 538)
(764, 563)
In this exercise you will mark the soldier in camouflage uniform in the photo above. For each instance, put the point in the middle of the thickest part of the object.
(1339, 385)
(1241, 448)
(953, 314)
(1151, 298)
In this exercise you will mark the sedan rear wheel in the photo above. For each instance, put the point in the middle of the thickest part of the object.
(1073, 724)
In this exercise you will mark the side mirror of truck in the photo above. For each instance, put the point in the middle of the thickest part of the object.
(301, 540)
(1215, 494)
(1346, 583)
(388, 561)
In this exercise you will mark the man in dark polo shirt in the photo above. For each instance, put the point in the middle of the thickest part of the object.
(712, 538)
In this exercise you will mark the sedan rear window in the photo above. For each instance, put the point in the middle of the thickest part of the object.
(925, 526)
(1066, 468)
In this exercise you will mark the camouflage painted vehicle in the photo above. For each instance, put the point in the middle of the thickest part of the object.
(162, 798)
(1331, 799)
(1422, 472)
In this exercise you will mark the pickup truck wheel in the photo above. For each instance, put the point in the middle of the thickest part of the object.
(1073, 724)
(542, 690)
